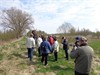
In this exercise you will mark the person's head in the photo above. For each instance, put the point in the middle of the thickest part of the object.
(77, 38)
(83, 41)
(55, 38)
(44, 38)
(31, 35)
(33, 31)
(63, 37)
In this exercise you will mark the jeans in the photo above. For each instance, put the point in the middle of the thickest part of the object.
(77, 73)
(66, 54)
(30, 53)
(39, 52)
(44, 58)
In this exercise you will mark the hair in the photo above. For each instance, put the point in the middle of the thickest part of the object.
(83, 41)
(55, 38)
(31, 35)
(43, 38)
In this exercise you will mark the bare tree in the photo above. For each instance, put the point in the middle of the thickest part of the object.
(65, 28)
(72, 30)
(84, 32)
(16, 20)
(97, 34)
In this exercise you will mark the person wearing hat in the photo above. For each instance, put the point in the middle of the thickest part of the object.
(77, 41)
(83, 57)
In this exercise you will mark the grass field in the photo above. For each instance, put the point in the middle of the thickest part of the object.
(95, 44)
(14, 61)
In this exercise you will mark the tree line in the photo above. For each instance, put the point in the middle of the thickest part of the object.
(15, 21)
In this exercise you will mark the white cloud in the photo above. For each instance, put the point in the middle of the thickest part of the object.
(49, 14)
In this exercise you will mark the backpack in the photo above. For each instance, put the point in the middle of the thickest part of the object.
(43, 48)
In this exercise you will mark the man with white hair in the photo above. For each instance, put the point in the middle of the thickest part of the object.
(83, 57)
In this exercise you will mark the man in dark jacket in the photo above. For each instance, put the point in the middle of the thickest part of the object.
(65, 46)
(45, 50)
(83, 57)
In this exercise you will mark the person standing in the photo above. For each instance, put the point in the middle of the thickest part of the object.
(65, 47)
(45, 50)
(39, 41)
(51, 40)
(55, 47)
(30, 43)
(83, 57)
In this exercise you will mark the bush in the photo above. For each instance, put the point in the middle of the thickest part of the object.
(6, 36)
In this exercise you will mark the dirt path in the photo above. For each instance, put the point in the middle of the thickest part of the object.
(96, 65)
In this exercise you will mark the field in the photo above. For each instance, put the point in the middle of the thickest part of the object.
(14, 61)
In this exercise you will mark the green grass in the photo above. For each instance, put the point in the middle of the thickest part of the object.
(95, 44)
(61, 67)
(1, 56)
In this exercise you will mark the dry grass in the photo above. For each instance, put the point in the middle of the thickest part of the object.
(96, 65)
(15, 62)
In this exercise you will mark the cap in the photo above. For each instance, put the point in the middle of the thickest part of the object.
(83, 38)
(77, 38)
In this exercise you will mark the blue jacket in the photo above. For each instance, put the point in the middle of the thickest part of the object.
(47, 46)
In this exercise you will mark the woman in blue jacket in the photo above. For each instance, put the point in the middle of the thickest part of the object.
(45, 50)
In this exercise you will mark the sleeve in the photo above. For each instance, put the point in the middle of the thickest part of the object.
(74, 53)
(57, 46)
(49, 47)
(33, 42)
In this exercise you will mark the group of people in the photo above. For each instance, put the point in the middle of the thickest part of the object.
(45, 46)
(81, 51)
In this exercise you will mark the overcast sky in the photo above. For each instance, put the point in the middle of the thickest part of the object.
(50, 14)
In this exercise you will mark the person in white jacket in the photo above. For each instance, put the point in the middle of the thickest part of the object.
(39, 41)
(55, 48)
(30, 43)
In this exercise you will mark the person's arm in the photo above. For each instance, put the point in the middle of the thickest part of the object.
(74, 53)
(33, 43)
(57, 47)
(49, 47)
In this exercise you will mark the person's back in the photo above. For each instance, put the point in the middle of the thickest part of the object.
(30, 42)
(39, 41)
(83, 62)
(51, 40)
(45, 49)
(47, 46)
